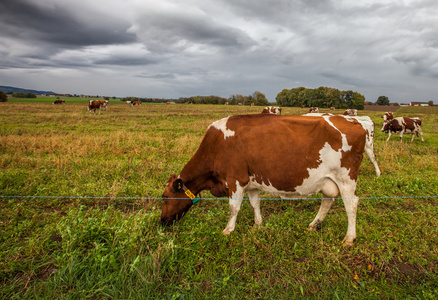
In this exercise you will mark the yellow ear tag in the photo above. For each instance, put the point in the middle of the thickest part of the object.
(190, 194)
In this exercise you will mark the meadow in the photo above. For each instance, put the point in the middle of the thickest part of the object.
(88, 224)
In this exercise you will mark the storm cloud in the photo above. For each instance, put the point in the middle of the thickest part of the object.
(174, 49)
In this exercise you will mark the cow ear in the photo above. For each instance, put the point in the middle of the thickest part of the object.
(177, 185)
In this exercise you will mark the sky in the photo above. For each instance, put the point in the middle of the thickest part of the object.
(171, 49)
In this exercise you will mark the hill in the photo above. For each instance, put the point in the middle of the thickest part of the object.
(11, 89)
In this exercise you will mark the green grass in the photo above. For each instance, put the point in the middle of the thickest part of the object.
(77, 247)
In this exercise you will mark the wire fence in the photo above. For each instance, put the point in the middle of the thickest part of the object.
(215, 199)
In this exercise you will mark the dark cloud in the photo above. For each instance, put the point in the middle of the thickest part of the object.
(56, 24)
(175, 30)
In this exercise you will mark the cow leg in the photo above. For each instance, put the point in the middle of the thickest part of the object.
(254, 199)
(235, 203)
(389, 135)
(323, 210)
(401, 135)
(369, 150)
(350, 202)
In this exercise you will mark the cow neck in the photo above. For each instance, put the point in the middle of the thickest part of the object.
(194, 178)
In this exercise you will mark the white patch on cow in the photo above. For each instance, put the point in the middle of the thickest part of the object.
(330, 162)
(222, 126)
(366, 124)
(345, 146)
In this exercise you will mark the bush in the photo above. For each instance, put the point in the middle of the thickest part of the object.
(3, 97)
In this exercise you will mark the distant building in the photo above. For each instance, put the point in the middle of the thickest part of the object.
(419, 104)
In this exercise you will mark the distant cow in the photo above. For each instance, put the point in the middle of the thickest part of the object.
(104, 103)
(388, 116)
(59, 102)
(350, 112)
(136, 103)
(275, 110)
(288, 156)
(94, 105)
(332, 108)
(313, 110)
(403, 125)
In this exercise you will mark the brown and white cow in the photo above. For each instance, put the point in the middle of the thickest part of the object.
(288, 156)
(368, 126)
(94, 105)
(58, 101)
(403, 125)
(136, 103)
(332, 109)
(388, 116)
(313, 110)
(104, 103)
(350, 112)
(275, 110)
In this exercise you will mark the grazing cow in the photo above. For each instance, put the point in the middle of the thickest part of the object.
(313, 110)
(103, 103)
(136, 103)
(93, 105)
(288, 156)
(388, 116)
(403, 125)
(59, 102)
(275, 110)
(368, 126)
(332, 108)
(350, 112)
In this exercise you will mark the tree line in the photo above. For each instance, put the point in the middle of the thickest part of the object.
(320, 97)
(256, 98)
(23, 95)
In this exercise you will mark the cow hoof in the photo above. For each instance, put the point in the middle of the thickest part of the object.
(346, 243)
(315, 226)
(226, 232)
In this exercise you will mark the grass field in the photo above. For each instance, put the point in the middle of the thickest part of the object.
(90, 229)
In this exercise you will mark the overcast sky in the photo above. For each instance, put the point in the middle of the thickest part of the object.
(172, 49)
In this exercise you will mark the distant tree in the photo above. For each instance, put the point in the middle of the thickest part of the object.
(430, 103)
(321, 97)
(382, 100)
(259, 99)
(3, 97)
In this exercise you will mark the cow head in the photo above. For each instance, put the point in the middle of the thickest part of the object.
(176, 200)
(386, 127)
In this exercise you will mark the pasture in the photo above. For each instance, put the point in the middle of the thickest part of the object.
(91, 230)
